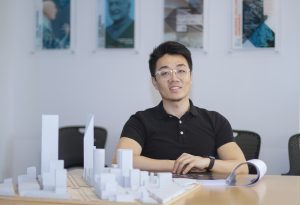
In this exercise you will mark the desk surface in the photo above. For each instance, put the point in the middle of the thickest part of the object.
(271, 190)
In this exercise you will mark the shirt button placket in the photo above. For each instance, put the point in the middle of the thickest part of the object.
(181, 132)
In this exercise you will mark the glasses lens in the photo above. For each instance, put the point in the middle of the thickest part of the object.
(181, 73)
(167, 74)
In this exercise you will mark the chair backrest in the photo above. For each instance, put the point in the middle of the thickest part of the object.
(70, 146)
(294, 155)
(249, 142)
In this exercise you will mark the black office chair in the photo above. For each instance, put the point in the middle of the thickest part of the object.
(70, 146)
(249, 142)
(294, 155)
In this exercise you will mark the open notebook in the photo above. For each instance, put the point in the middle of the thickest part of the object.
(208, 178)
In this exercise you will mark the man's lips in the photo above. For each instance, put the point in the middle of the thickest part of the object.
(175, 87)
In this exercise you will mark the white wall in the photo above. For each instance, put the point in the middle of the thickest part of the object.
(257, 90)
(19, 120)
(5, 90)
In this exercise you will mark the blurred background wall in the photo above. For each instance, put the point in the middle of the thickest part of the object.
(255, 90)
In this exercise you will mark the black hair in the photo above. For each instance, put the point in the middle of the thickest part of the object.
(172, 48)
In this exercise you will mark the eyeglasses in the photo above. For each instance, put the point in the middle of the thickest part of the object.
(166, 74)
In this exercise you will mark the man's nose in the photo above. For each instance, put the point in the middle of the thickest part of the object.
(174, 75)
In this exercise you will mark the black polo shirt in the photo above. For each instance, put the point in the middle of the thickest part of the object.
(163, 136)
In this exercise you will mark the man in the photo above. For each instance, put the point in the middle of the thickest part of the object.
(177, 136)
(120, 34)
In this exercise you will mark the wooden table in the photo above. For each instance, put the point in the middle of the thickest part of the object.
(271, 190)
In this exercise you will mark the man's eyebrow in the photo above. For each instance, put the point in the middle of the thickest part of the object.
(166, 67)
(163, 67)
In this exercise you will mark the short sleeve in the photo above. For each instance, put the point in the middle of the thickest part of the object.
(223, 130)
(134, 129)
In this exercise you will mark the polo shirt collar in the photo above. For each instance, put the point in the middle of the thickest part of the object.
(193, 109)
(161, 113)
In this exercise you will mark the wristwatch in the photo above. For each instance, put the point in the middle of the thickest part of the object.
(211, 163)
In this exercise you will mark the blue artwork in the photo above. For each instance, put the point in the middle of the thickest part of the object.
(255, 30)
(119, 24)
(263, 36)
(56, 24)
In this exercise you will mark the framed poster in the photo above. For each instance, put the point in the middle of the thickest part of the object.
(184, 22)
(116, 24)
(255, 24)
(54, 24)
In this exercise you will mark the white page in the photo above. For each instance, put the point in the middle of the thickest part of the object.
(230, 180)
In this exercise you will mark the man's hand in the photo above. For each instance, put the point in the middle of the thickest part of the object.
(187, 162)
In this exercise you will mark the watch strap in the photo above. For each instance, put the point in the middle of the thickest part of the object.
(211, 162)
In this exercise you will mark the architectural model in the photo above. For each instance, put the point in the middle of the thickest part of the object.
(120, 183)
(123, 183)
(49, 149)
(88, 147)
(52, 183)
(7, 188)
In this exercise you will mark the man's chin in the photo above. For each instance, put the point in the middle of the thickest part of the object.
(175, 99)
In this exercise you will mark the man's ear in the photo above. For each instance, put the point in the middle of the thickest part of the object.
(154, 82)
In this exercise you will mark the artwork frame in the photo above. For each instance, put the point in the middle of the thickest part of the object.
(55, 30)
(255, 25)
(186, 22)
(109, 35)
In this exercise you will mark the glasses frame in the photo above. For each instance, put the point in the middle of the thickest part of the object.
(171, 71)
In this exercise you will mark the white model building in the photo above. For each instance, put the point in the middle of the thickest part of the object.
(52, 183)
(53, 178)
(7, 188)
(49, 146)
(88, 146)
(120, 183)
(98, 162)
